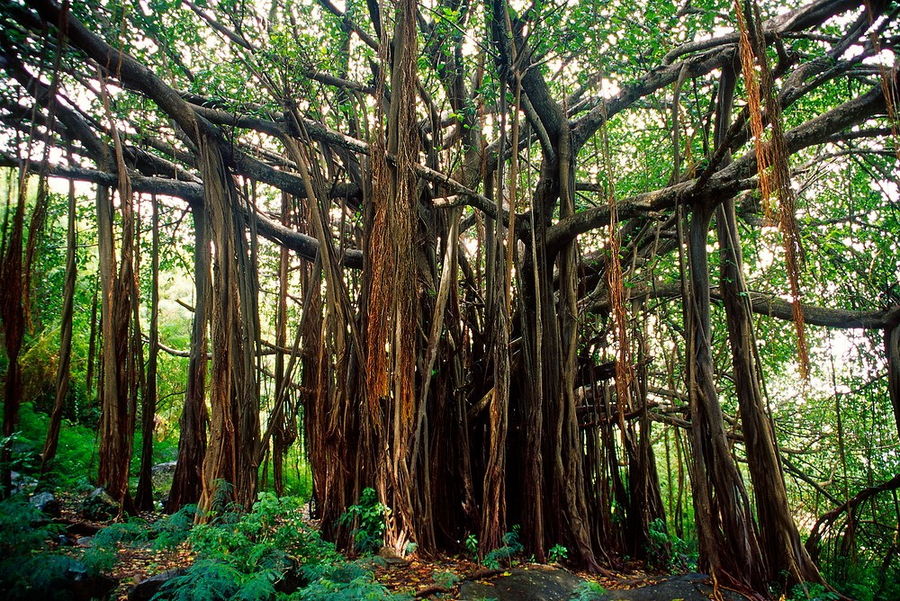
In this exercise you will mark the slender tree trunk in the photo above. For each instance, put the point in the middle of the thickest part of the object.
(144, 496)
(188, 477)
(65, 338)
(284, 431)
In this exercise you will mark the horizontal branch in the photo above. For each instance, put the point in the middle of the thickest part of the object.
(771, 305)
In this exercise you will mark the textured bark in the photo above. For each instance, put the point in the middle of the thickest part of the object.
(778, 535)
(188, 478)
(65, 339)
(13, 328)
(391, 294)
(892, 350)
(144, 495)
(231, 461)
(729, 548)
(116, 403)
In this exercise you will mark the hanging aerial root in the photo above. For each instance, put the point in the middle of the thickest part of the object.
(772, 162)
(624, 368)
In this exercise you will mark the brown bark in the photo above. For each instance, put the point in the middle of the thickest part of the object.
(729, 547)
(391, 294)
(231, 461)
(13, 329)
(65, 339)
(144, 495)
(778, 535)
(187, 480)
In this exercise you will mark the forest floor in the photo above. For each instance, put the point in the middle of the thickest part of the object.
(440, 577)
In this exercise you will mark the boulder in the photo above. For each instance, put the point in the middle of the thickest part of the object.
(688, 587)
(46, 502)
(98, 506)
(146, 589)
(533, 583)
(162, 474)
(57, 577)
(22, 483)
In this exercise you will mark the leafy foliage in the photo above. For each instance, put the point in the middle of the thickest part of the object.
(367, 520)
(503, 555)
(589, 591)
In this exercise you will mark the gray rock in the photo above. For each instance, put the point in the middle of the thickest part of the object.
(534, 583)
(542, 583)
(98, 505)
(688, 587)
(162, 474)
(46, 502)
(22, 483)
(60, 577)
(146, 589)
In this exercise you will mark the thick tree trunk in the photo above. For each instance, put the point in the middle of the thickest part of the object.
(729, 547)
(778, 535)
(117, 406)
(231, 461)
(892, 351)
(391, 295)
(13, 330)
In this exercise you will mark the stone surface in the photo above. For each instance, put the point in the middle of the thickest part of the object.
(540, 583)
(22, 483)
(688, 587)
(144, 590)
(534, 583)
(46, 502)
(64, 578)
(161, 475)
(98, 506)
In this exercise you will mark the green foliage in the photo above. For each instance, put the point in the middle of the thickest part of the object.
(667, 550)
(174, 529)
(342, 582)
(74, 455)
(445, 579)
(27, 571)
(23, 528)
(101, 555)
(367, 520)
(218, 581)
(558, 553)
(810, 591)
(472, 544)
(588, 591)
(503, 555)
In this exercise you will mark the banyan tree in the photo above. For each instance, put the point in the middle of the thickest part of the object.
(515, 241)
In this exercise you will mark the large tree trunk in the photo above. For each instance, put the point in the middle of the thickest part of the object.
(391, 295)
(231, 462)
(117, 405)
(13, 330)
(188, 477)
(729, 548)
(778, 535)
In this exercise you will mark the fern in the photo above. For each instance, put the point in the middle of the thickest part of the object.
(588, 591)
